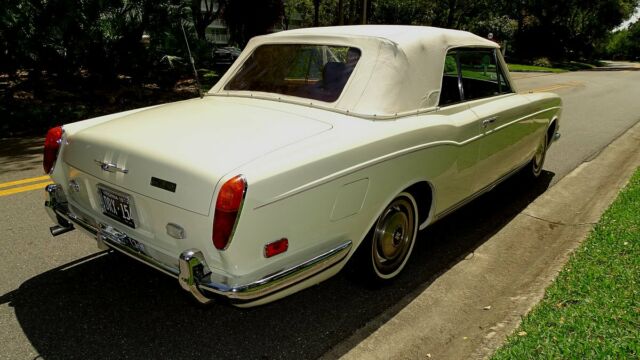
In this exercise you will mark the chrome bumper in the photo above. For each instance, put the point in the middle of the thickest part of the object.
(192, 272)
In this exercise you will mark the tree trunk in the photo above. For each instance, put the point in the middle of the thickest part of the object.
(364, 12)
(316, 13)
(452, 12)
(201, 29)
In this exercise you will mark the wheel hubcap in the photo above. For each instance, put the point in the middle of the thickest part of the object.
(538, 159)
(393, 236)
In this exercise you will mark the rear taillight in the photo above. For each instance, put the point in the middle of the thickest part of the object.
(228, 206)
(51, 148)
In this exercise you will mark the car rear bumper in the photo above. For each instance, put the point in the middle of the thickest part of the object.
(192, 272)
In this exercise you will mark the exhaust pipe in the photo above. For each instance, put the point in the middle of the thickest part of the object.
(59, 229)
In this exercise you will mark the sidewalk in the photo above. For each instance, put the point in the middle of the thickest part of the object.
(617, 66)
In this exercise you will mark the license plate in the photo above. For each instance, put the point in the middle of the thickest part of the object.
(116, 206)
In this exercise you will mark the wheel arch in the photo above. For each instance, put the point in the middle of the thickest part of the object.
(552, 129)
(423, 192)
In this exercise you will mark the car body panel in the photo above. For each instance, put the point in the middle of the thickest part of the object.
(201, 158)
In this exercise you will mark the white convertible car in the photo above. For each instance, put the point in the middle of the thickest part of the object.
(316, 143)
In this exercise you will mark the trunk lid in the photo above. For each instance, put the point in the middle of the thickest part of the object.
(191, 144)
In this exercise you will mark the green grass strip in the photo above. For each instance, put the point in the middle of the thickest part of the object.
(533, 68)
(592, 310)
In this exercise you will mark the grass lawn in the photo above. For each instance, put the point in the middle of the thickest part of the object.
(592, 310)
(533, 68)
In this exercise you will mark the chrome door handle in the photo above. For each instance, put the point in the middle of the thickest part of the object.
(488, 121)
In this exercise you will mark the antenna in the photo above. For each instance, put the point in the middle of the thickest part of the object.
(193, 64)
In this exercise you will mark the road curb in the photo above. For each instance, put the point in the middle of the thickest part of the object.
(469, 310)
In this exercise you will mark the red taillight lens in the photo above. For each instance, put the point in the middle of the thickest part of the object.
(228, 207)
(276, 247)
(51, 147)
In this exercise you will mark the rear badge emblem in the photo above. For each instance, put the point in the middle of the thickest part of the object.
(109, 167)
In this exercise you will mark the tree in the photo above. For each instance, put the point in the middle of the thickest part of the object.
(202, 18)
(623, 44)
(243, 24)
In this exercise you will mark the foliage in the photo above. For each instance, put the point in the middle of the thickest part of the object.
(243, 24)
(623, 44)
(102, 38)
(542, 62)
(574, 27)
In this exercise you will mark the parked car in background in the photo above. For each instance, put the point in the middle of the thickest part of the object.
(316, 146)
(225, 55)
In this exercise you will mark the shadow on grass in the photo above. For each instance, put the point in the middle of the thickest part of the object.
(108, 306)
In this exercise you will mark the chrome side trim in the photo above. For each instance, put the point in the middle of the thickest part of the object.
(295, 274)
(193, 272)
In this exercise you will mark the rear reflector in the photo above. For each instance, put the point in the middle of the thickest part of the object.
(276, 247)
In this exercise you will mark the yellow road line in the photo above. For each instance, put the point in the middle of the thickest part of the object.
(556, 87)
(25, 188)
(24, 181)
(551, 88)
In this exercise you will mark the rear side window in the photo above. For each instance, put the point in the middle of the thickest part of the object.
(317, 72)
(450, 93)
(479, 75)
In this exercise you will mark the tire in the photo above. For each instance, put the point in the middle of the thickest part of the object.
(536, 164)
(390, 241)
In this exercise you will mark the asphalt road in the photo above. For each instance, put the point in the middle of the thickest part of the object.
(61, 299)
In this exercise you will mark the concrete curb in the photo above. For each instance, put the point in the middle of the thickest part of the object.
(469, 310)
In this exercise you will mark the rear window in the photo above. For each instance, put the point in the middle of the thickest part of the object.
(317, 72)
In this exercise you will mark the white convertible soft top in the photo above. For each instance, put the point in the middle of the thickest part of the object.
(399, 72)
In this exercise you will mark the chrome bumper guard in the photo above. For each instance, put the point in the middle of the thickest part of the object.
(192, 273)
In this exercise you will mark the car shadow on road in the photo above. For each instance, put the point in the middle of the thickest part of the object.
(20, 154)
(108, 306)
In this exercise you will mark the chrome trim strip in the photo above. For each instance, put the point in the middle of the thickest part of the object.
(295, 274)
(202, 279)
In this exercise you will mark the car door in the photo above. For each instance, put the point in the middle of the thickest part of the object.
(506, 134)
(455, 119)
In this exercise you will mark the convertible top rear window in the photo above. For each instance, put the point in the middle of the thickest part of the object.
(317, 72)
